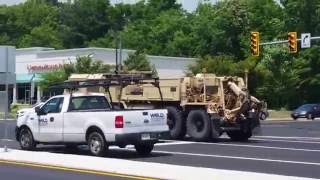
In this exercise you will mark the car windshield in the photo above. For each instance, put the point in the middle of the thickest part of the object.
(305, 107)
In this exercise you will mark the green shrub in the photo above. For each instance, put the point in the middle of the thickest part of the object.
(16, 107)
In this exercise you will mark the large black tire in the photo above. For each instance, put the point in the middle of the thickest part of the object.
(239, 135)
(176, 123)
(26, 140)
(198, 125)
(144, 149)
(97, 144)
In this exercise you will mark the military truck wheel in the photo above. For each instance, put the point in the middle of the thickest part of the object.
(176, 123)
(239, 135)
(198, 125)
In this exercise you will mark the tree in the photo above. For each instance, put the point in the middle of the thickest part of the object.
(279, 78)
(44, 35)
(302, 15)
(24, 21)
(137, 61)
(219, 65)
(50, 78)
(83, 65)
(84, 21)
(307, 66)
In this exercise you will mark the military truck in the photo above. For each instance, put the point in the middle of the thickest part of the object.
(202, 106)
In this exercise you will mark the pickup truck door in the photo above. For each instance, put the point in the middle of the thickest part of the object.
(51, 124)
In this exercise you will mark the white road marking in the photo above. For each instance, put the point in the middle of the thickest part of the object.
(263, 147)
(289, 137)
(174, 143)
(238, 157)
(158, 144)
(255, 146)
(291, 141)
(7, 140)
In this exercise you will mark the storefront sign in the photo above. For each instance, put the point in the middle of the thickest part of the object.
(43, 67)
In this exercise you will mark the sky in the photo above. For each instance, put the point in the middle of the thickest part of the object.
(189, 5)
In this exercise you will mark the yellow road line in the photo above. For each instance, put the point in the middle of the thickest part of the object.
(76, 170)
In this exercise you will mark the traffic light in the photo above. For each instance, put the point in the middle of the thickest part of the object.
(292, 40)
(254, 43)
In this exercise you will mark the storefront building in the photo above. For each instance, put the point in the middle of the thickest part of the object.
(31, 62)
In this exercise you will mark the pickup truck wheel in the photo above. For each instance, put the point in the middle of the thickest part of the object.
(239, 135)
(176, 123)
(144, 149)
(198, 125)
(26, 140)
(96, 143)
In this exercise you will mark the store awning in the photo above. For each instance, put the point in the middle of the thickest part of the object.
(37, 78)
(27, 78)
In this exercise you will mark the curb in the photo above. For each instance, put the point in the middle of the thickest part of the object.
(130, 168)
(64, 168)
(7, 119)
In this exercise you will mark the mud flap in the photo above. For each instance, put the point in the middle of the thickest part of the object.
(255, 123)
(216, 130)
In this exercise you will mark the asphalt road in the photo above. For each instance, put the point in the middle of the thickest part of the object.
(284, 148)
(18, 172)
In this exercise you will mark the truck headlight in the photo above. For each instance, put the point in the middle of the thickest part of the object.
(20, 114)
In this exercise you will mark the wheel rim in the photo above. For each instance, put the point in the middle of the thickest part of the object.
(95, 145)
(25, 139)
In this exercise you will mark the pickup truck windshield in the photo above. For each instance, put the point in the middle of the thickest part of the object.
(88, 102)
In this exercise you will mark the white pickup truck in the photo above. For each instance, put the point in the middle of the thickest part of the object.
(90, 119)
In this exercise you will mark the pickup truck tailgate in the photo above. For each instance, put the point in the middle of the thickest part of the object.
(145, 118)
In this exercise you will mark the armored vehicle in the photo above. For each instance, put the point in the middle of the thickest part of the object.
(202, 106)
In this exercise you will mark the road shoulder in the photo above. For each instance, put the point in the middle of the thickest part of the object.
(130, 168)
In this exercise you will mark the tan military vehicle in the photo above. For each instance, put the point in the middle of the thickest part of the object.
(203, 106)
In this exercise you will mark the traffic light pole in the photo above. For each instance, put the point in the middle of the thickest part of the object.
(286, 41)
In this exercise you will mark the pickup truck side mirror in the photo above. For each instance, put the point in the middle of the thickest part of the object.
(39, 111)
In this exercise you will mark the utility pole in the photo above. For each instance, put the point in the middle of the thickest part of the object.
(116, 71)
(6, 86)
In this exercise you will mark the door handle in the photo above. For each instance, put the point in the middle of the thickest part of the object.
(51, 119)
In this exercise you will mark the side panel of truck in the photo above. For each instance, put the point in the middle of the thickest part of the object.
(51, 125)
(77, 123)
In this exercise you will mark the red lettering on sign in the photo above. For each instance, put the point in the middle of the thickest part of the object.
(43, 67)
